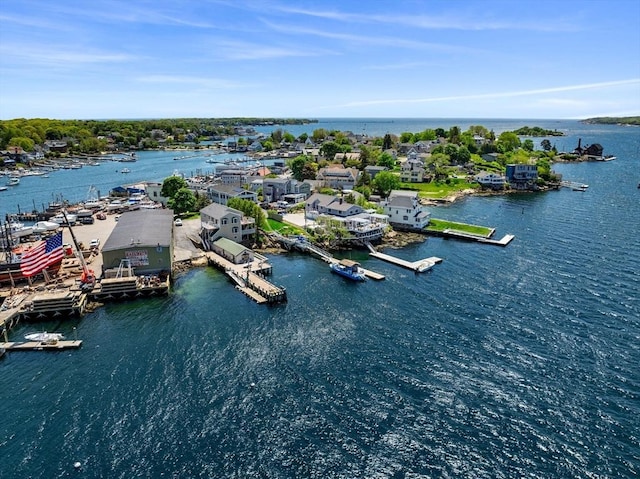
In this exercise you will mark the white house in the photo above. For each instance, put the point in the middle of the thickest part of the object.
(222, 193)
(319, 203)
(490, 180)
(412, 169)
(405, 211)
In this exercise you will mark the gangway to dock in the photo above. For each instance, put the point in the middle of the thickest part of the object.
(419, 266)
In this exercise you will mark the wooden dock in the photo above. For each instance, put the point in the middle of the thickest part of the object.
(419, 266)
(40, 346)
(248, 280)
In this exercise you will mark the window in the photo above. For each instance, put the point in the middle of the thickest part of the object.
(234, 219)
(224, 221)
(405, 218)
(235, 229)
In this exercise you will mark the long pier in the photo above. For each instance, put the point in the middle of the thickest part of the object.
(419, 266)
(40, 346)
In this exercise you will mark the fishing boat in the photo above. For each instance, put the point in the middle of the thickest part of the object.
(349, 269)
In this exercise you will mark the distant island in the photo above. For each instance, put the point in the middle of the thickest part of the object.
(614, 120)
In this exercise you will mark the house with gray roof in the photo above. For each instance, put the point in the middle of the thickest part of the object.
(220, 221)
(319, 203)
(221, 193)
(338, 177)
(405, 210)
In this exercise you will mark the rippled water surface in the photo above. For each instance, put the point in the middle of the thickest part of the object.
(500, 362)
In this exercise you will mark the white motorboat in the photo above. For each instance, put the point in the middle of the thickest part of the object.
(44, 337)
(42, 226)
(13, 181)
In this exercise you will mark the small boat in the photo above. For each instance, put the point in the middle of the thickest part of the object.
(13, 181)
(349, 269)
(42, 226)
(3, 188)
(44, 337)
(125, 170)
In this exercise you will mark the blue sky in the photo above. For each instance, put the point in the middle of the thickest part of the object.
(313, 59)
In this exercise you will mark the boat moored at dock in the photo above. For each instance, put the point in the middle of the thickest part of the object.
(348, 269)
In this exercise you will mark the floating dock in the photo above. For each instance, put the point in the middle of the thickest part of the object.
(419, 266)
(506, 239)
(40, 346)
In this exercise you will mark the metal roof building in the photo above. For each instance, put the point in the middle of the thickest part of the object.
(142, 237)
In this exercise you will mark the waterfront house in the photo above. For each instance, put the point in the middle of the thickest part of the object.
(232, 251)
(405, 211)
(522, 176)
(222, 193)
(490, 180)
(319, 203)
(219, 221)
(144, 239)
(367, 226)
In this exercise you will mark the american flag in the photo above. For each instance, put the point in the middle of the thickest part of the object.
(44, 254)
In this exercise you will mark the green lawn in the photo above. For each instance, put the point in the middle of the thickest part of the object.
(283, 228)
(438, 190)
(441, 225)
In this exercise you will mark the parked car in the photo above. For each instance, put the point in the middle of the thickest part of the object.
(86, 220)
(178, 222)
(101, 216)
(94, 243)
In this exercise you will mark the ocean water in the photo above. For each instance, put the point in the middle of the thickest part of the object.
(499, 363)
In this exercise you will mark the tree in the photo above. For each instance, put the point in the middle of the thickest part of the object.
(296, 165)
(545, 144)
(508, 141)
(386, 142)
(385, 182)
(182, 201)
(528, 144)
(171, 185)
(386, 160)
(329, 150)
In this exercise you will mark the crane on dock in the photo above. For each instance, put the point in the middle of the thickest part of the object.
(88, 277)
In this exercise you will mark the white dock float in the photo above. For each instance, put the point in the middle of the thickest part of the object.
(419, 266)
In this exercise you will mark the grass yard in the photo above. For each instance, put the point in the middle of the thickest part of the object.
(283, 228)
(438, 190)
(441, 225)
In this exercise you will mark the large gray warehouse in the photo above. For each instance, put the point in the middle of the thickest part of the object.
(144, 238)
